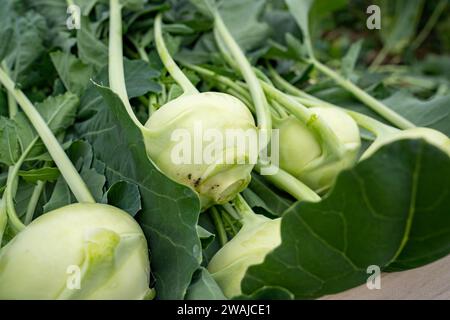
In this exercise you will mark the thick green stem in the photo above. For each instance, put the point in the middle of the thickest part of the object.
(116, 68)
(225, 81)
(66, 167)
(224, 51)
(242, 207)
(282, 114)
(236, 89)
(168, 61)
(143, 54)
(288, 87)
(12, 104)
(231, 211)
(228, 220)
(13, 220)
(32, 204)
(372, 125)
(3, 219)
(291, 185)
(152, 104)
(263, 114)
(11, 189)
(367, 99)
(222, 234)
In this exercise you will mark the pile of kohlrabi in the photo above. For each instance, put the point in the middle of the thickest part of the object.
(334, 166)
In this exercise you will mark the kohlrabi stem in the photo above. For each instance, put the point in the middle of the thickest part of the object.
(227, 82)
(291, 185)
(231, 211)
(263, 114)
(13, 219)
(364, 97)
(115, 64)
(65, 166)
(11, 189)
(168, 61)
(224, 51)
(152, 103)
(262, 76)
(279, 109)
(227, 219)
(244, 210)
(234, 88)
(32, 204)
(287, 86)
(218, 223)
(372, 125)
(12, 104)
(3, 219)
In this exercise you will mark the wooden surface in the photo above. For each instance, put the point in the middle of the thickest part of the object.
(428, 282)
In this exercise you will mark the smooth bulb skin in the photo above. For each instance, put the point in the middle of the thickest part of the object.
(299, 148)
(217, 181)
(433, 137)
(249, 247)
(104, 243)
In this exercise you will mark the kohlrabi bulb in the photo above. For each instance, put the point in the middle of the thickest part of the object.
(81, 251)
(300, 148)
(249, 247)
(202, 141)
(433, 137)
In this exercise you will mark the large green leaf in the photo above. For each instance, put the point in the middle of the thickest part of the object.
(391, 209)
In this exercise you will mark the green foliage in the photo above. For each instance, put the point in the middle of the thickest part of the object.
(389, 210)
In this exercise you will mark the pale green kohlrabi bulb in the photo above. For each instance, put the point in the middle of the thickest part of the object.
(249, 247)
(433, 137)
(299, 148)
(172, 138)
(81, 251)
